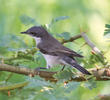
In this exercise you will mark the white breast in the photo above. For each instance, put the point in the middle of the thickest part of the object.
(51, 60)
(38, 40)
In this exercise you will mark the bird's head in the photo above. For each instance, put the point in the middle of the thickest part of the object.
(36, 31)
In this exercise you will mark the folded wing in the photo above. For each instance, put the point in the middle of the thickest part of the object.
(58, 51)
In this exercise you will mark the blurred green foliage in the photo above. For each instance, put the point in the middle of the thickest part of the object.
(63, 19)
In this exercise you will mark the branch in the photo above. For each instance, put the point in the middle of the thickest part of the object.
(27, 71)
(87, 40)
(99, 74)
(71, 39)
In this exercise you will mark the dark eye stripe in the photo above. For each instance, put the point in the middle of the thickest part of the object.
(33, 34)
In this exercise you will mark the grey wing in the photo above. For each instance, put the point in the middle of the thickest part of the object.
(71, 52)
(58, 51)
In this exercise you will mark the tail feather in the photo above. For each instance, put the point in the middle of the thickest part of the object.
(74, 64)
(81, 69)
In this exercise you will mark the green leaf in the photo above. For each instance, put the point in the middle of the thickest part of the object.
(37, 82)
(107, 31)
(107, 25)
(57, 19)
(90, 84)
(71, 86)
(64, 35)
(28, 20)
(64, 75)
(60, 18)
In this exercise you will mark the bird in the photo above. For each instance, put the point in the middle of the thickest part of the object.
(53, 51)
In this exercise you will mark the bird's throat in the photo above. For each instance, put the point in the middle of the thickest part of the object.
(38, 40)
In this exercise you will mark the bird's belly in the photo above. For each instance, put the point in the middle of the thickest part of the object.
(52, 60)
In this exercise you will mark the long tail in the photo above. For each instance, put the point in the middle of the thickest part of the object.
(81, 69)
(74, 64)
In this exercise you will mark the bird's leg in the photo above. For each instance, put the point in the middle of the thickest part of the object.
(38, 68)
(63, 68)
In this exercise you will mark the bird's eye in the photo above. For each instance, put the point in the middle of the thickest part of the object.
(32, 33)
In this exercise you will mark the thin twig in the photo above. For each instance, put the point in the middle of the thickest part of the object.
(14, 86)
(71, 39)
(90, 43)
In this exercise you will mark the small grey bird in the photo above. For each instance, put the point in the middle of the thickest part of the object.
(52, 50)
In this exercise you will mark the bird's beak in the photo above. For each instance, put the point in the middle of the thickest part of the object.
(23, 32)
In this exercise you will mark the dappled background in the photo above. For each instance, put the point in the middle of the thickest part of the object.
(86, 15)
(91, 16)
